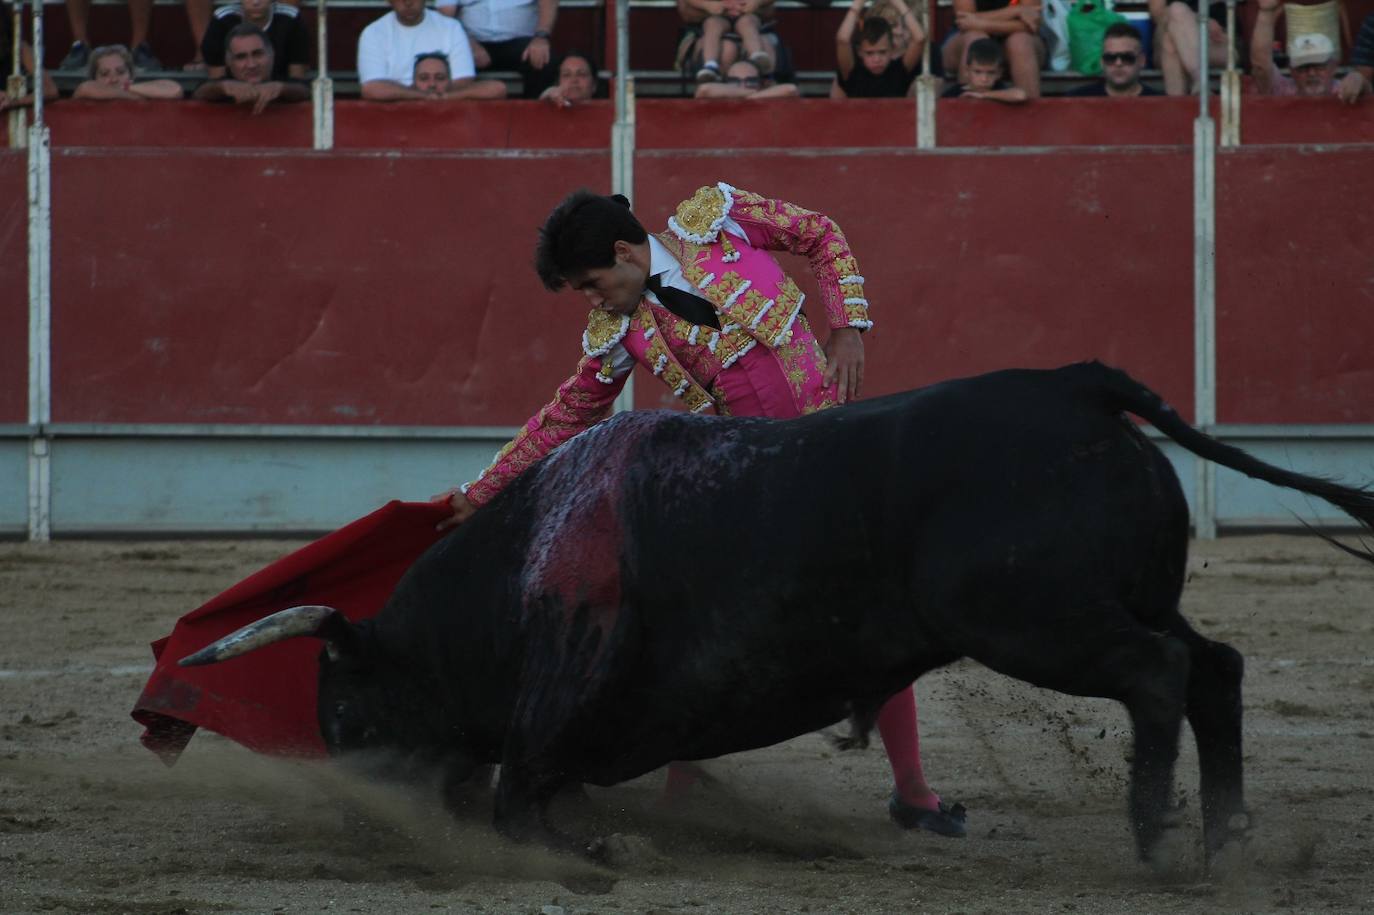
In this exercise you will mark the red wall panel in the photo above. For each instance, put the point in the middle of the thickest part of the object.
(179, 125)
(1066, 122)
(14, 286)
(303, 288)
(1295, 286)
(512, 124)
(1301, 120)
(983, 262)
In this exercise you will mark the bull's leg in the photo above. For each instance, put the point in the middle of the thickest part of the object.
(1214, 712)
(1105, 653)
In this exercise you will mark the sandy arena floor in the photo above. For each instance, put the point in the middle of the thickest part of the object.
(92, 822)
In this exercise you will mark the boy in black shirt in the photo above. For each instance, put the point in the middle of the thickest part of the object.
(876, 73)
(985, 63)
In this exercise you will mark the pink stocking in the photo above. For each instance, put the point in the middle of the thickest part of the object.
(897, 725)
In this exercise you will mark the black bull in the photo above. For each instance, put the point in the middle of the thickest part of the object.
(671, 587)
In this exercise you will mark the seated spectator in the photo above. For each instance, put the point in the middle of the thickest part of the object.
(1176, 28)
(389, 47)
(986, 61)
(1311, 59)
(865, 65)
(727, 31)
(1014, 24)
(577, 82)
(743, 80)
(248, 56)
(111, 72)
(282, 24)
(1123, 57)
(78, 17)
(1362, 58)
(25, 64)
(510, 35)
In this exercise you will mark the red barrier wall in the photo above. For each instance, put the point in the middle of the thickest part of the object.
(479, 125)
(1299, 120)
(1295, 286)
(14, 286)
(982, 262)
(179, 125)
(300, 288)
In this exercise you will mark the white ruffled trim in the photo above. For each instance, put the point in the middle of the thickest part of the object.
(707, 280)
(851, 280)
(729, 327)
(464, 488)
(762, 311)
(649, 333)
(701, 406)
(661, 364)
(731, 258)
(787, 328)
(739, 352)
(692, 337)
(856, 300)
(734, 296)
(603, 379)
(616, 338)
(861, 324)
(714, 341)
(713, 231)
(681, 388)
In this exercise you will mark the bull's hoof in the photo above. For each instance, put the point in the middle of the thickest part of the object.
(619, 850)
(947, 821)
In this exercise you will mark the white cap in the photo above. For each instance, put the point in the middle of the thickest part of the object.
(1312, 48)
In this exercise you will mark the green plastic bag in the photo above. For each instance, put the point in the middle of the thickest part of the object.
(1088, 21)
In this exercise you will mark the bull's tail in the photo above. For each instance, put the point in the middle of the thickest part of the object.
(1124, 393)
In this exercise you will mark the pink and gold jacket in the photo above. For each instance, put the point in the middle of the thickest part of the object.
(721, 238)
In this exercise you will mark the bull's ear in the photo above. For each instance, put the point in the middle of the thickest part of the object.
(294, 622)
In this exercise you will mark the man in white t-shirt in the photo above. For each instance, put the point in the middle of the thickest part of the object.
(512, 35)
(387, 50)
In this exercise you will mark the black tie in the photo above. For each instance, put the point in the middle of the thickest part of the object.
(686, 306)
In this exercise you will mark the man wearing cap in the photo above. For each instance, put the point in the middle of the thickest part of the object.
(1311, 59)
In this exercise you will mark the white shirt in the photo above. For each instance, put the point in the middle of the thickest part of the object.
(663, 265)
(387, 49)
(497, 20)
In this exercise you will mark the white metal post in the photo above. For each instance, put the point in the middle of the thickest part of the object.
(623, 145)
(322, 88)
(14, 88)
(40, 300)
(926, 84)
(1204, 292)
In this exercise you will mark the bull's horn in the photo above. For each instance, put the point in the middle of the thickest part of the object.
(290, 623)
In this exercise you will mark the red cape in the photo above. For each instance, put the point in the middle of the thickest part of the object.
(266, 700)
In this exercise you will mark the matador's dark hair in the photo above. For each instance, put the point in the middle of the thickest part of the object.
(580, 234)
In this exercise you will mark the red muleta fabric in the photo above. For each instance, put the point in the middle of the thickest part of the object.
(266, 700)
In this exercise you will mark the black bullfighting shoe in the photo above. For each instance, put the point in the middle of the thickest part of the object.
(947, 821)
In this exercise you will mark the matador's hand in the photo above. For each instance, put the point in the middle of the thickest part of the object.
(844, 362)
(462, 508)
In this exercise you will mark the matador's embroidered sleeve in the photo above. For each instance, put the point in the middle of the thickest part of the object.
(580, 403)
(781, 226)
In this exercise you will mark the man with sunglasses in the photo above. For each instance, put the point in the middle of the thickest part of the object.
(743, 80)
(1123, 57)
(1312, 61)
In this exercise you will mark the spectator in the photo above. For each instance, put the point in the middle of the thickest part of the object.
(1362, 58)
(198, 18)
(281, 23)
(743, 80)
(986, 61)
(513, 35)
(577, 81)
(25, 64)
(727, 31)
(140, 15)
(389, 47)
(1123, 57)
(1176, 28)
(1311, 59)
(877, 72)
(1014, 24)
(248, 55)
(111, 76)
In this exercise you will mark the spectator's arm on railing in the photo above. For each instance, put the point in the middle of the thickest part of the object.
(1262, 46)
(138, 92)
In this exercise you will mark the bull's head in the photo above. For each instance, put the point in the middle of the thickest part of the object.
(358, 707)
